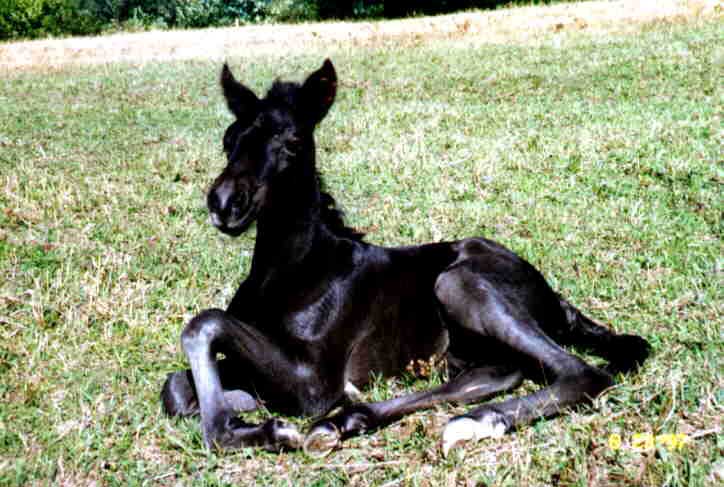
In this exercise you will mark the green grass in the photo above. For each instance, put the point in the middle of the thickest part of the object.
(598, 158)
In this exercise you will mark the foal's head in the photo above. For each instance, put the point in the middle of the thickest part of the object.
(270, 137)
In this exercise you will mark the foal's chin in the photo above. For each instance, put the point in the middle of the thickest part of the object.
(238, 227)
(232, 232)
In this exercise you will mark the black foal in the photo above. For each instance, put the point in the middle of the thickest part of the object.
(321, 310)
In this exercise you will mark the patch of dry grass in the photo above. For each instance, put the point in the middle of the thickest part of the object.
(521, 25)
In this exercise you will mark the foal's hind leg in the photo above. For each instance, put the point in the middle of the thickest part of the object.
(625, 353)
(472, 385)
(475, 303)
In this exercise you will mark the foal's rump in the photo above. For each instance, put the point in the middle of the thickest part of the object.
(524, 292)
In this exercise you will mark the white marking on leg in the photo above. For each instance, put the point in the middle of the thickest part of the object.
(352, 392)
(461, 430)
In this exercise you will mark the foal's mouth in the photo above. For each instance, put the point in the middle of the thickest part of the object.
(237, 226)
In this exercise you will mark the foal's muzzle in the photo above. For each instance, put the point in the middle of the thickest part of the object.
(231, 211)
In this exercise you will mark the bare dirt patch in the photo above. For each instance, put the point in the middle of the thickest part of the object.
(515, 25)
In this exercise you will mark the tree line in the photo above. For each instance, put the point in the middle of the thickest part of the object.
(21, 19)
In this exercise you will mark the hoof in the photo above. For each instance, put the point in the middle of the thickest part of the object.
(321, 440)
(462, 429)
(628, 354)
(231, 433)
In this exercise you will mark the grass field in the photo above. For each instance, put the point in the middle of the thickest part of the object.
(596, 157)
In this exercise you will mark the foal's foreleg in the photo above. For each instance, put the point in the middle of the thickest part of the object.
(178, 394)
(213, 331)
(472, 385)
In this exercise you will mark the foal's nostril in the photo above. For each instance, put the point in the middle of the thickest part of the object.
(226, 205)
(236, 208)
(240, 202)
(212, 201)
(222, 199)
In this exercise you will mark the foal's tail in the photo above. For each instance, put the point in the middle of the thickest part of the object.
(625, 353)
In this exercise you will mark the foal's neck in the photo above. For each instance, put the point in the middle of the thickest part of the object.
(291, 225)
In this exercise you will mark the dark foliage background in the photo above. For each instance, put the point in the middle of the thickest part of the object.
(41, 18)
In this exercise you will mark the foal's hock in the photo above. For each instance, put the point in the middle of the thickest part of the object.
(321, 310)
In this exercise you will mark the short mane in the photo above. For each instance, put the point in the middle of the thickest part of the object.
(285, 92)
(333, 217)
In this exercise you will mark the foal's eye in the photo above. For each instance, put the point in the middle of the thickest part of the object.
(293, 143)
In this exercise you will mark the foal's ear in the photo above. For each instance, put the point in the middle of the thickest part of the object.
(318, 92)
(241, 100)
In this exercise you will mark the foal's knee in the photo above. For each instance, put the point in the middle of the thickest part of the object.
(203, 328)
